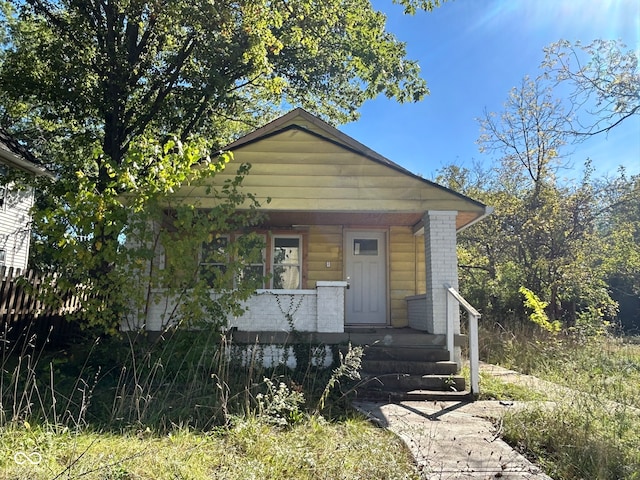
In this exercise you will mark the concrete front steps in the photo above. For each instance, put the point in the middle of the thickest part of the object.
(406, 364)
(398, 363)
(409, 366)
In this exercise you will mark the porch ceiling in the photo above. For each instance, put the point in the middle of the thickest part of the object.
(364, 219)
(287, 219)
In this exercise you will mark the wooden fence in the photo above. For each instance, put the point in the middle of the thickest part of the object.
(23, 306)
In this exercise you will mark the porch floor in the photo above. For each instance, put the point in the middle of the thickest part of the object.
(385, 336)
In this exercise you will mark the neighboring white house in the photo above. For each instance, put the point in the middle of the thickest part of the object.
(15, 203)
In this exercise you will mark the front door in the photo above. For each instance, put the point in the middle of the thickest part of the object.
(366, 265)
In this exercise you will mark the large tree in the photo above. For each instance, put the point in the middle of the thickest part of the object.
(574, 242)
(110, 92)
(562, 238)
(117, 68)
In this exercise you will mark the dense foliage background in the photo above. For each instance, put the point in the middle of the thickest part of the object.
(573, 242)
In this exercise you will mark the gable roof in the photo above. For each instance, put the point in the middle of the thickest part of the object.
(306, 124)
(304, 171)
(292, 120)
(321, 127)
(14, 155)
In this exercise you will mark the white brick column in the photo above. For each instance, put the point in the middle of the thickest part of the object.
(330, 306)
(441, 269)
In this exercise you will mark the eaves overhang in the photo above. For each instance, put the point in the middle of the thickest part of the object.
(16, 156)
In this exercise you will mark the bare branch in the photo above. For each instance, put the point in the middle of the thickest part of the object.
(603, 81)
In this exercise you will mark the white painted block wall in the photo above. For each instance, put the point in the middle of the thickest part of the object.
(267, 310)
(319, 310)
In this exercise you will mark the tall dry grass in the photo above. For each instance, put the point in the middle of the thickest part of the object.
(593, 431)
(188, 405)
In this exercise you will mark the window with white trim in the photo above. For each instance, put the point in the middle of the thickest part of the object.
(252, 253)
(214, 258)
(287, 262)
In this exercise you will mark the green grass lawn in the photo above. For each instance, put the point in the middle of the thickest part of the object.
(185, 411)
(249, 449)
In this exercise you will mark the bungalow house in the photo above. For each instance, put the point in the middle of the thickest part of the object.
(358, 247)
(15, 203)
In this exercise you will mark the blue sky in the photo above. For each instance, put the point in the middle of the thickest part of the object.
(472, 53)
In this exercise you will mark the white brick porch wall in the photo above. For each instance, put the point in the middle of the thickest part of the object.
(319, 310)
(268, 309)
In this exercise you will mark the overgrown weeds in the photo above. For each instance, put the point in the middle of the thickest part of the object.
(249, 448)
(186, 405)
(579, 438)
(195, 379)
(593, 429)
(605, 366)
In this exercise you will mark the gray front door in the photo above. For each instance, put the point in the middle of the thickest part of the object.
(366, 267)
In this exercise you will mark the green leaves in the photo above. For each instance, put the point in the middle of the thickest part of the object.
(537, 314)
(126, 100)
(185, 68)
(412, 6)
(560, 237)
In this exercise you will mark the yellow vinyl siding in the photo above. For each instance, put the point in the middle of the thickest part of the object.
(403, 281)
(299, 171)
(325, 245)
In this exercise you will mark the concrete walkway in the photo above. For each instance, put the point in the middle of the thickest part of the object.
(456, 440)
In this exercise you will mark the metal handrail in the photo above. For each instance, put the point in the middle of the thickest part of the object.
(454, 301)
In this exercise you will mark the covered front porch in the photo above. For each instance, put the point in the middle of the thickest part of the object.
(371, 271)
(397, 363)
(404, 363)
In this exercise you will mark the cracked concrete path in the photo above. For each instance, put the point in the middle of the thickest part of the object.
(454, 440)
(457, 440)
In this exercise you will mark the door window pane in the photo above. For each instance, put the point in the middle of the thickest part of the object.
(365, 246)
